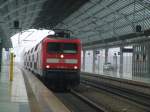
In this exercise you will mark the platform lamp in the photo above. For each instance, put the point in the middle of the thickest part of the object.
(138, 28)
(16, 24)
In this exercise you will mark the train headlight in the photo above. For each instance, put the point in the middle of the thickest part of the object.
(61, 56)
(75, 67)
(47, 66)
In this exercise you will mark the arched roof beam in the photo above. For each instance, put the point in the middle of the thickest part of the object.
(91, 17)
(23, 6)
(146, 4)
(27, 22)
(110, 21)
(6, 3)
(122, 16)
(92, 14)
(101, 18)
(85, 12)
(120, 27)
(19, 17)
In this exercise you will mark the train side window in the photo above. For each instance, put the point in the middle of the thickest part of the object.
(36, 47)
(31, 50)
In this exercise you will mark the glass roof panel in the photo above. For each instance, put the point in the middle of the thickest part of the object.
(120, 3)
(110, 18)
(131, 8)
(124, 30)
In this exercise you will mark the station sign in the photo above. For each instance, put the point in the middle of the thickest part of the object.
(97, 52)
(6, 49)
(128, 50)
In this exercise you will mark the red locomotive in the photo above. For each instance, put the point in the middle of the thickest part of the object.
(57, 59)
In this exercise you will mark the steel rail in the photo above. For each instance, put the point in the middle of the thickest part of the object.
(89, 102)
(131, 95)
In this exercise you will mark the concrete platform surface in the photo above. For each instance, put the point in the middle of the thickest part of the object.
(26, 93)
(47, 101)
(13, 95)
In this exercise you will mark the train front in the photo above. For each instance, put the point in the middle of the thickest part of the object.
(62, 61)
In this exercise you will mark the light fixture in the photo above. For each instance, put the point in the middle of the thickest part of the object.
(75, 67)
(61, 56)
(47, 66)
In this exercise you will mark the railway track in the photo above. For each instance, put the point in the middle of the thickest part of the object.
(139, 98)
(75, 101)
(79, 103)
(94, 100)
(89, 102)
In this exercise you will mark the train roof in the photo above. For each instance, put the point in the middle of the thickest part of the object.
(58, 37)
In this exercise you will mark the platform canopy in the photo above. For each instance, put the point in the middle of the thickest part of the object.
(103, 21)
(20, 15)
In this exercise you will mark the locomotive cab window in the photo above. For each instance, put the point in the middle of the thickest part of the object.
(62, 48)
(69, 48)
(53, 47)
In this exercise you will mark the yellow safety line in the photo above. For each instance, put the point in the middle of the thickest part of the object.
(11, 66)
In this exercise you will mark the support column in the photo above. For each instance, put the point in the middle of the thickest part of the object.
(106, 55)
(133, 61)
(0, 56)
(83, 63)
(148, 58)
(94, 58)
(121, 60)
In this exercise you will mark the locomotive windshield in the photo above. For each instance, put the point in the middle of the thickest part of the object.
(62, 48)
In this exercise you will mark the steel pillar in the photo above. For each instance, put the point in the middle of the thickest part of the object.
(0, 56)
(106, 55)
(94, 57)
(83, 62)
(121, 60)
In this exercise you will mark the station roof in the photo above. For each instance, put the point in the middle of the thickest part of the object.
(103, 21)
(33, 14)
(94, 21)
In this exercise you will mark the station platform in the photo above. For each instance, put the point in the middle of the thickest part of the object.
(13, 94)
(117, 74)
(138, 78)
(26, 93)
